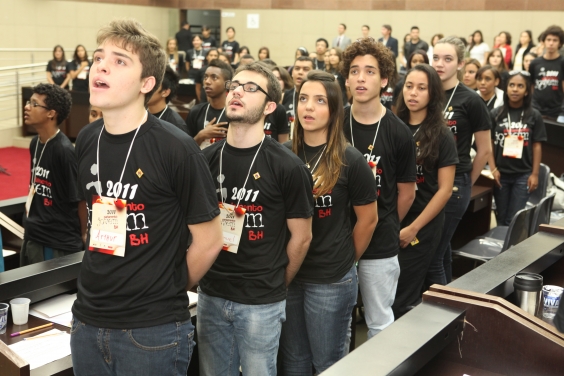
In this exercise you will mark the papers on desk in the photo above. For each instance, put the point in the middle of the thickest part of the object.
(45, 350)
(56, 310)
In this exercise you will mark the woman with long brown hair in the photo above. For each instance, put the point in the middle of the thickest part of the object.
(334, 67)
(322, 295)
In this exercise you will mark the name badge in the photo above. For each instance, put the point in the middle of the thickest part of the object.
(197, 63)
(232, 221)
(29, 199)
(513, 146)
(109, 224)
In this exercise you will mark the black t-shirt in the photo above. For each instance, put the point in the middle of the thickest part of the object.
(191, 56)
(318, 64)
(168, 186)
(53, 216)
(197, 118)
(428, 181)
(532, 131)
(387, 98)
(80, 83)
(184, 39)
(171, 116)
(466, 115)
(547, 77)
(277, 123)
(490, 102)
(59, 70)
(230, 48)
(397, 90)
(394, 155)
(255, 275)
(288, 103)
(341, 81)
(331, 252)
(208, 43)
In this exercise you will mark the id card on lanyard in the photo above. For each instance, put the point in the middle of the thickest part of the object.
(513, 143)
(109, 225)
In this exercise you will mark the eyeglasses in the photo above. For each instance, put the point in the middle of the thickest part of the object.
(523, 72)
(35, 104)
(370, 39)
(250, 87)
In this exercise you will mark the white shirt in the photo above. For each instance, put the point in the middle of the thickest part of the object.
(479, 52)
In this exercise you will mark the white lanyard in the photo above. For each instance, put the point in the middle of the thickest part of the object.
(128, 152)
(416, 131)
(370, 147)
(162, 113)
(198, 55)
(490, 101)
(248, 173)
(294, 101)
(206, 115)
(452, 95)
(40, 155)
(509, 121)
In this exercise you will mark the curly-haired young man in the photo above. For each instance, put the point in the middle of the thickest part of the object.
(388, 146)
(51, 222)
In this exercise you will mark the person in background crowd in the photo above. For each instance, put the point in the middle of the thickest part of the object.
(175, 60)
(402, 57)
(250, 279)
(158, 104)
(94, 114)
(312, 55)
(522, 49)
(263, 53)
(515, 166)
(365, 31)
(334, 67)
(195, 58)
(416, 58)
(212, 54)
(547, 74)
(244, 50)
(321, 46)
(471, 67)
(132, 160)
(468, 117)
(50, 221)
(276, 124)
(488, 79)
(496, 60)
(434, 41)
(322, 295)
(225, 58)
(504, 44)
(302, 66)
(230, 46)
(58, 69)
(414, 43)
(246, 60)
(527, 60)
(284, 79)
(341, 40)
(208, 41)
(387, 96)
(387, 39)
(326, 58)
(389, 149)
(420, 106)
(539, 48)
(184, 37)
(207, 122)
(301, 51)
(478, 49)
(79, 69)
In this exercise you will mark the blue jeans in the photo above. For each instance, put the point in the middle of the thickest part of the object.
(232, 334)
(158, 350)
(511, 197)
(440, 270)
(317, 319)
(378, 281)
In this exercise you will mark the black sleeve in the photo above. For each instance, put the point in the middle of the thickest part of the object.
(361, 182)
(49, 69)
(195, 189)
(532, 71)
(67, 159)
(448, 155)
(73, 65)
(235, 48)
(406, 166)
(539, 130)
(397, 91)
(478, 115)
(297, 189)
(494, 122)
(282, 122)
(191, 123)
(68, 67)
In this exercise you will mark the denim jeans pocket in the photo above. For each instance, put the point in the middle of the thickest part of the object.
(345, 282)
(75, 325)
(153, 338)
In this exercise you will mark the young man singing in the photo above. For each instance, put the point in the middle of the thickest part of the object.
(265, 197)
(51, 221)
(388, 146)
(147, 188)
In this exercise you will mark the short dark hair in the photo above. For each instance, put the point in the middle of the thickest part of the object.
(322, 40)
(170, 81)
(185, 23)
(389, 27)
(556, 31)
(247, 56)
(272, 87)
(56, 98)
(226, 70)
(486, 68)
(366, 26)
(306, 58)
(345, 26)
(367, 46)
(414, 28)
(269, 62)
(230, 27)
(206, 28)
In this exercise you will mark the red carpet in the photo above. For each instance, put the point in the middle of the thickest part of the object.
(16, 161)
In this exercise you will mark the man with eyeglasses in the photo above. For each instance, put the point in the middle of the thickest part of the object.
(158, 104)
(51, 224)
(264, 193)
(207, 121)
